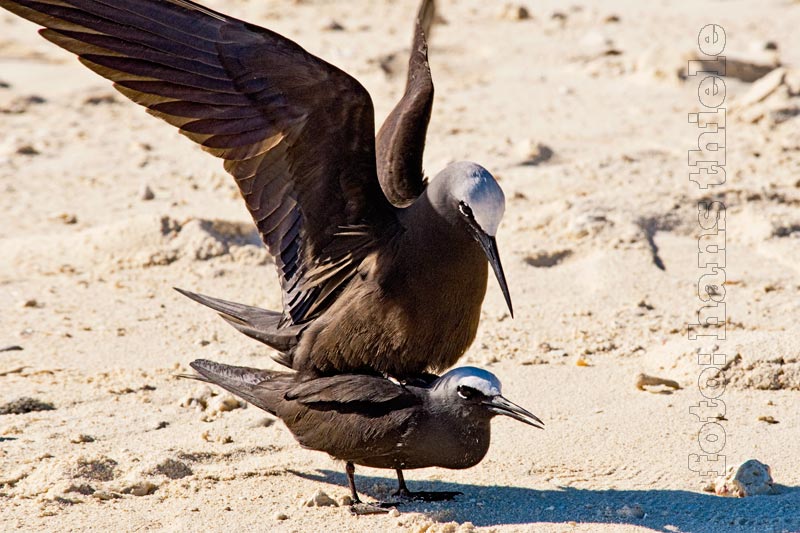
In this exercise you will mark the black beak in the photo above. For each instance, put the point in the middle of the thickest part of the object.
(489, 245)
(501, 406)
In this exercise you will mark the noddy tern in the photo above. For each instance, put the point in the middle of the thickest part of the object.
(380, 270)
(376, 422)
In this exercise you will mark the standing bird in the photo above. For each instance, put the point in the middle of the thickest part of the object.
(375, 422)
(380, 271)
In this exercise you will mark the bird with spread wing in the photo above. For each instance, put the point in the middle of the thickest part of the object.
(381, 271)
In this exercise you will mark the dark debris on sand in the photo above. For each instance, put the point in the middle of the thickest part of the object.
(101, 469)
(172, 469)
(23, 405)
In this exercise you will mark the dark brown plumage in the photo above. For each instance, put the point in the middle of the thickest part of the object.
(401, 139)
(372, 421)
(366, 286)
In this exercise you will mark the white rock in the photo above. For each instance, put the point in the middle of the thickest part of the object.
(750, 478)
(81, 438)
(763, 87)
(792, 81)
(514, 12)
(223, 403)
(320, 499)
(532, 152)
(140, 488)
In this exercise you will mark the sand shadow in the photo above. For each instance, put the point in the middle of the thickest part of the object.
(664, 510)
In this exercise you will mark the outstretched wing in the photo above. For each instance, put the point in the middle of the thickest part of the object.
(401, 139)
(295, 132)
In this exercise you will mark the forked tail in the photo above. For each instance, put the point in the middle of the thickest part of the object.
(262, 388)
(260, 324)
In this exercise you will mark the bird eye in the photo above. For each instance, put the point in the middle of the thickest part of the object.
(466, 392)
(465, 210)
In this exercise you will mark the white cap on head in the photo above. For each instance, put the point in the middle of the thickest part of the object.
(480, 191)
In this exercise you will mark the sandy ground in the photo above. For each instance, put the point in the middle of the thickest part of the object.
(87, 266)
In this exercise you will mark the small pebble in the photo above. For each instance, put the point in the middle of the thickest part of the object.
(100, 98)
(644, 380)
(762, 88)
(27, 149)
(281, 516)
(634, 511)
(83, 488)
(198, 398)
(533, 153)
(264, 422)
(514, 12)
(146, 193)
(333, 25)
(141, 488)
(320, 499)
(81, 438)
(223, 403)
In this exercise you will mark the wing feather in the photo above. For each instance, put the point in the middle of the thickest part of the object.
(401, 139)
(296, 133)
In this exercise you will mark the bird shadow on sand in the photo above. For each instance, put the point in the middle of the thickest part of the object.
(664, 510)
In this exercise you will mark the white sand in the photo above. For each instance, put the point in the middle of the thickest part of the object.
(104, 335)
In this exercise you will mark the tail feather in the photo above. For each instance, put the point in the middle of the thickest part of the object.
(262, 388)
(260, 324)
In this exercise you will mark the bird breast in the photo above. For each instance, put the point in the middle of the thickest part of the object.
(413, 308)
(443, 443)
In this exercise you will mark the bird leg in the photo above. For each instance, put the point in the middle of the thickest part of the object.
(358, 507)
(350, 470)
(404, 493)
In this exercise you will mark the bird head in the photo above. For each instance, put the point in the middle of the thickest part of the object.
(476, 392)
(468, 196)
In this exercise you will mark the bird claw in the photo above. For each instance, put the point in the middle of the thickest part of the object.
(361, 509)
(425, 496)
(404, 496)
